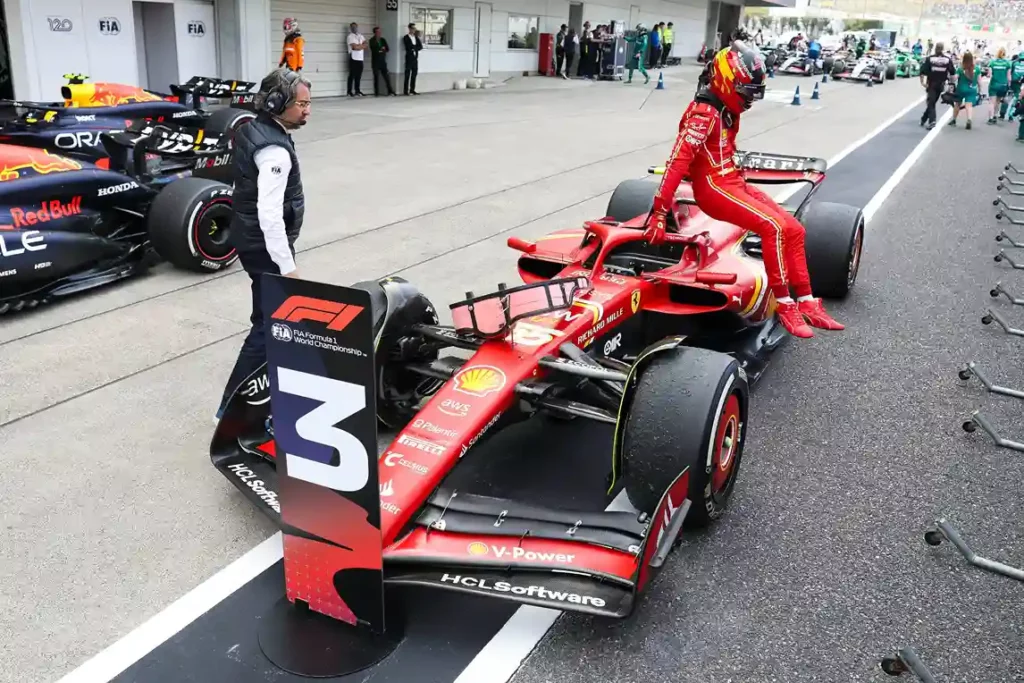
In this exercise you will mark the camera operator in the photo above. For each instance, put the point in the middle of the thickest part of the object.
(268, 203)
(936, 70)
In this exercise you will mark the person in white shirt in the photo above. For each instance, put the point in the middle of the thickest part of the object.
(356, 52)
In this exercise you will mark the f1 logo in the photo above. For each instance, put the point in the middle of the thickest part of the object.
(298, 308)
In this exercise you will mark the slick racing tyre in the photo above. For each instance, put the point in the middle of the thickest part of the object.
(834, 241)
(631, 198)
(890, 72)
(827, 65)
(189, 225)
(228, 120)
(689, 410)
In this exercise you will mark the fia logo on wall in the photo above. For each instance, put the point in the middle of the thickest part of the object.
(59, 24)
(196, 29)
(109, 26)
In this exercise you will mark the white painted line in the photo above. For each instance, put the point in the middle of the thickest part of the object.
(189, 607)
(498, 661)
(904, 168)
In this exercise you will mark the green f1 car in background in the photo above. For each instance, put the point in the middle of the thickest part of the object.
(907, 65)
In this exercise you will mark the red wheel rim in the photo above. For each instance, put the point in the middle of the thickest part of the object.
(727, 444)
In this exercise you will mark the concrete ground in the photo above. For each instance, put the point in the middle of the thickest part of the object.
(111, 510)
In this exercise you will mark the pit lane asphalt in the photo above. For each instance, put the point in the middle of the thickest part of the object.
(854, 448)
(107, 397)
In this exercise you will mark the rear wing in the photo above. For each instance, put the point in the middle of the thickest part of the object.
(130, 149)
(777, 169)
(190, 93)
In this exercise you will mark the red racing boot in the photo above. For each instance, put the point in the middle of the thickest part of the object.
(816, 315)
(792, 319)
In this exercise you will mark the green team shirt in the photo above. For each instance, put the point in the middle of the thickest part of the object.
(1017, 69)
(1000, 69)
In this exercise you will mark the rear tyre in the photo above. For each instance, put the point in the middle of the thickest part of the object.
(227, 121)
(632, 198)
(689, 410)
(890, 72)
(189, 225)
(834, 241)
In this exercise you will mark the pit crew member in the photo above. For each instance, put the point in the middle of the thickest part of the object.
(293, 54)
(268, 203)
(704, 151)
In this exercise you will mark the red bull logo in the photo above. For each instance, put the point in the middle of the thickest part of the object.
(105, 94)
(15, 159)
(47, 211)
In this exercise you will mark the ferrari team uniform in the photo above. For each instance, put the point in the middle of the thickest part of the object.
(704, 150)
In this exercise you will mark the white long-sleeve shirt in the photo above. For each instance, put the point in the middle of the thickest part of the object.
(274, 164)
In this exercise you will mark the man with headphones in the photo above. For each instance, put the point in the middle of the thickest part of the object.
(268, 203)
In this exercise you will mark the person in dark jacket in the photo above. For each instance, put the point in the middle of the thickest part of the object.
(413, 45)
(560, 50)
(936, 70)
(379, 54)
(268, 203)
(569, 45)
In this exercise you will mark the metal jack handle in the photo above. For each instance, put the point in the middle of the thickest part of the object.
(1010, 181)
(978, 420)
(1002, 255)
(1013, 221)
(998, 289)
(991, 315)
(907, 660)
(945, 529)
(999, 201)
(1006, 185)
(1010, 167)
(1013, 243)
(971, 369)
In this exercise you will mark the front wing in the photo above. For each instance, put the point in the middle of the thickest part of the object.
(591, 562)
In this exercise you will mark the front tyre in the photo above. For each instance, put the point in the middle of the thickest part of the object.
(689, 411)
(189, 225)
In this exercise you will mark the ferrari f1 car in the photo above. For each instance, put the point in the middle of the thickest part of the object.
(661, 342)
(67, 225)
(74, 127)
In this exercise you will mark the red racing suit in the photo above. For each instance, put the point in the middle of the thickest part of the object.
(704, 151)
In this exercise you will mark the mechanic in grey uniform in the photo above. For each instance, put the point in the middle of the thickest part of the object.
(936, 69)
(268, 202)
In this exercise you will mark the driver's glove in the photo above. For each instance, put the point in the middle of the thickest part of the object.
(656, 227)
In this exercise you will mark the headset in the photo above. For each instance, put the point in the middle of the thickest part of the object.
(279, 97)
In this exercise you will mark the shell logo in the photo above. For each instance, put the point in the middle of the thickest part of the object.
(480, 380)
(477, 548)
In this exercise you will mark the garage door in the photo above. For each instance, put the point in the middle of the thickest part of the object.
(324, 25)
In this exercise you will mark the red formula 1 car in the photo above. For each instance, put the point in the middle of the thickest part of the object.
(661, 342)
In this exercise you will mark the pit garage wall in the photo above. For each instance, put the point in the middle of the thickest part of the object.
(50, 38)
(441, 66)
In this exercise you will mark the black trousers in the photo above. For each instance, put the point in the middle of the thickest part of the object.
(380, 67)
(355, 76)
(666, 53)
(253, 353)
(412, 67)
(569, 57)
(559, 61)
(934, 92)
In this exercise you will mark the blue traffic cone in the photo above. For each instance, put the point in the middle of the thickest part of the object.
(796, 96)
(824, 78)
(661, 81)
(814, 95)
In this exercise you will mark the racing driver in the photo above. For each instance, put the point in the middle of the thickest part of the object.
(704, 151)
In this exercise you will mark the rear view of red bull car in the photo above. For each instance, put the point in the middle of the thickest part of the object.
(68, 225)
(660, 343)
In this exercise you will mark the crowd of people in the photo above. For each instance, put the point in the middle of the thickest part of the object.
(988, 12)
(647, 49)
